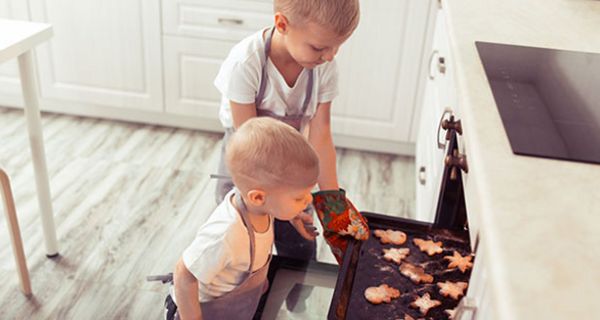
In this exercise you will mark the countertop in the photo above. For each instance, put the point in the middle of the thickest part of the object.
(539, 218)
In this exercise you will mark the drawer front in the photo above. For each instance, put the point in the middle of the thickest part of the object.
(191, 66)
(223, 20)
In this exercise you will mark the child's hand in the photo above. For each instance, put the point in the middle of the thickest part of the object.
(303, 223)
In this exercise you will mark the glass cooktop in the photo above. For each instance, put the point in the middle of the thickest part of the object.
(549, 100)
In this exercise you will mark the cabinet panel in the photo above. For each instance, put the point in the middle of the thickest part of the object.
(10, 85)
(429, 158)
(191, 66)
(378, 71)
(103, 52)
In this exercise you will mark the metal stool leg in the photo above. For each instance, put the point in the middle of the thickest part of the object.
(15, 233)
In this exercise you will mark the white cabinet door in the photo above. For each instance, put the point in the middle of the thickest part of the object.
(429, 158)
(379, 68)
(103, 53)
(10, 86)
(191, 66)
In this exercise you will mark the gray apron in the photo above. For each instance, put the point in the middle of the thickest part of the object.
(241, 302)
(295, 118)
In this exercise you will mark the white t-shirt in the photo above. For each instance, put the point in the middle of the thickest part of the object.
(219, 256)
(239, 81)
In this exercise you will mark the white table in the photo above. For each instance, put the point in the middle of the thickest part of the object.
(17, 39)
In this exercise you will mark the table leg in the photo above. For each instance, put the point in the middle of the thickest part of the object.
(36, 142)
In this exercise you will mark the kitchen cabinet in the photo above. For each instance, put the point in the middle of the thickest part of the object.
(104, 54)
(155, 62)
(10, 85)
(379, 68)
(197, 37)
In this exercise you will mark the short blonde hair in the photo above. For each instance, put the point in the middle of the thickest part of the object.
(341, 15)
(266, 153)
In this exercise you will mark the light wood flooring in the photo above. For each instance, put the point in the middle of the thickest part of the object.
(128, 199)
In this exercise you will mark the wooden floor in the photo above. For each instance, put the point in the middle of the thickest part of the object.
(128, 199)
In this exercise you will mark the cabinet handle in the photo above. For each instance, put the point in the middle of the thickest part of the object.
(456, 160)
(441, 65)
(434, 53)
(465, 304)
(231, 21)
(422, 175)
(442, 145)
(439, 4)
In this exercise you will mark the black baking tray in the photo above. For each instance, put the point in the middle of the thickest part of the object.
(363, 266)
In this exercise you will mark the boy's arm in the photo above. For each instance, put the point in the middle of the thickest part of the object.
(337, 214)
(186, 292)
(319, 136)
(241, 112)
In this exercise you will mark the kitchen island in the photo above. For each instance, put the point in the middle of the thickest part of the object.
(538, 219)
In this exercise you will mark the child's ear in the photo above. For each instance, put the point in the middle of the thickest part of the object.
(281, 23)
(256, 197)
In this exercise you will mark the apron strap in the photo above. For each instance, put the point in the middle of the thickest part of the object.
(244, 214)
(263, 79)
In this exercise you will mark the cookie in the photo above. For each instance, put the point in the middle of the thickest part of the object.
(395, 254)
(425, 303)
(460, 262)
(452, 289)
(414, 273)
(428, 246)
(390, 236)
(383, 293)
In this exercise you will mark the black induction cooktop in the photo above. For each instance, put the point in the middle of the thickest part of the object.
(549, 100)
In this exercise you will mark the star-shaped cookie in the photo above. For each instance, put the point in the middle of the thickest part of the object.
(390, 236)
(395, 254)
(452, 289)
(428, 246)
(425, 303)
(460, 262)
(382, 293)
(414, 273)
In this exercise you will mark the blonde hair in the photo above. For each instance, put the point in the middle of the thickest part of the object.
(341, 15)
(266, 153)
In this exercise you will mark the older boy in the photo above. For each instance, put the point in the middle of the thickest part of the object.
(223, 273)
(287, 72)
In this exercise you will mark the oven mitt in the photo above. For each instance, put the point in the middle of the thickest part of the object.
(340, 220)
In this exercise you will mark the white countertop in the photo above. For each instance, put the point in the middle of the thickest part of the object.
(540, 218)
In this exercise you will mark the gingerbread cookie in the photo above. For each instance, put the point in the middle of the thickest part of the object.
(425, 303)
(460, 262)
(395, 254)
(390, 236)
(383, 293)
(428, 246)
(414, 273)
(452, 289)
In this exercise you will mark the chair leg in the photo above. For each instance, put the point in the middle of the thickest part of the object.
(13, 228)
